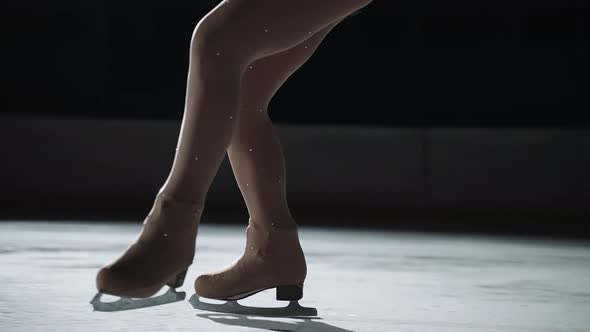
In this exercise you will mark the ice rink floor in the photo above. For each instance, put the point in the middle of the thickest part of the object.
(358, 281)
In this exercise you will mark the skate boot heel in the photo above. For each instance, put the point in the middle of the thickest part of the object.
(178, 280)
(290, 292)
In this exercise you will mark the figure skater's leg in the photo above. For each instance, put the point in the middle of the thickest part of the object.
(224, 43)
(273, 256)
(260, 173)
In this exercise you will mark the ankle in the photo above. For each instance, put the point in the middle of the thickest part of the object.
(285, 223)
(195, 204)
(265, 234)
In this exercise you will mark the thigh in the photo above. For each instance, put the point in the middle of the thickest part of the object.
(257, 28)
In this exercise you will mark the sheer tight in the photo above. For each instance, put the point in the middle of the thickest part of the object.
(241, 53)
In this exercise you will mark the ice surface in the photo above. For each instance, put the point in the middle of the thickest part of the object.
(357, 280)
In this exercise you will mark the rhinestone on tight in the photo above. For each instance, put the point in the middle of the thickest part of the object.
(165, 235)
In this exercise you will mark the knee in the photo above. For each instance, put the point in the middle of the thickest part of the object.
(205, 40)
(213, 41)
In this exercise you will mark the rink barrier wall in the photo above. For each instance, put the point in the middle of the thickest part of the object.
(103, 167)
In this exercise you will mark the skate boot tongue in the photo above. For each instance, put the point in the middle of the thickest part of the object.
(172, 223)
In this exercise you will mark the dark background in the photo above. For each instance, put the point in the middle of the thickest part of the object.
(468, 115)
(400, 63)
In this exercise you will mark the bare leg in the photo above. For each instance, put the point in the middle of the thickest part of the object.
(261, 173)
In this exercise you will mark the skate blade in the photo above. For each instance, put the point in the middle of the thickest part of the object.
(294, 309)
(128, 304)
